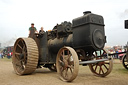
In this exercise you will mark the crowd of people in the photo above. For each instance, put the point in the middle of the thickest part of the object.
(7, 54)
(117, 53)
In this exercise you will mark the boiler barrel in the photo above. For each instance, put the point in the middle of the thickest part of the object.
(55, 44)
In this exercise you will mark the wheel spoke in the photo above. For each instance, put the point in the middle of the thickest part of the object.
(24, 49)
(71, 66)
(17, 53)
(23, 43)
(20, 68)
(68, 52)
(100, 53)
(105, 66)
(25, 54)
(63, 53)
(18, 63)
(66, 72)
(95, 67)
(100, 70)
(61, 63)
(17, 57)
(61, 69)
(19, 46)
(71, 70)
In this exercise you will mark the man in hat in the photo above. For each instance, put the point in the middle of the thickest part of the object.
(32, 31)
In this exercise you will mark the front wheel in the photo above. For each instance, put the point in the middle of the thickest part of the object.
(67, 64)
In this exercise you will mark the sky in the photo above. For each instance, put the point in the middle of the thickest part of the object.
(16, 17)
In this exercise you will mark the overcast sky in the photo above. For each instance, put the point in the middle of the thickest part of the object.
(16, 16)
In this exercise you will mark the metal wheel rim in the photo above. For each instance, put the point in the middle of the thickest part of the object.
(25, 56)
(125, 61)
(67, 72)
(102, 69)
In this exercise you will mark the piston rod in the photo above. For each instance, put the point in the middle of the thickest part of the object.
(92, 61)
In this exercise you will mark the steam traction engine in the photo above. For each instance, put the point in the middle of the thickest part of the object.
(64, 48)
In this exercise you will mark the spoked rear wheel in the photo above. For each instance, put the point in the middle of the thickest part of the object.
(67, 64)
(101, 69)
(125, 61)
(25, 56)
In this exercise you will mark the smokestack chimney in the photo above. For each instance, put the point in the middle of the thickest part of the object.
(86, 12)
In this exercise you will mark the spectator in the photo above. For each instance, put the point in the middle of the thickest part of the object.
(116, 55)
(111, 52)
(0, 56)
(8, 55)
(120, 55)
(41, 30)
(11, 54)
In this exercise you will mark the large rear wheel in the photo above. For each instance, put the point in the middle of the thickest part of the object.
(25, 56)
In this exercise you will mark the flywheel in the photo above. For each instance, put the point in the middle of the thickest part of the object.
(25, 56)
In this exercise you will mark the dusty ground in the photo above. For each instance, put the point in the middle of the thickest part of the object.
(119, 76)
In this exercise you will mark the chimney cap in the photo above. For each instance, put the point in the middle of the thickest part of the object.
(86, 12)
